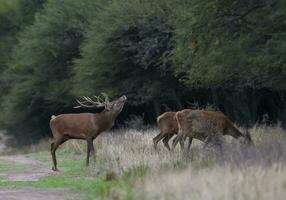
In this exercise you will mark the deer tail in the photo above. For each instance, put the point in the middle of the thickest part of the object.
(53, 117)
(177, 119)
(159, 118)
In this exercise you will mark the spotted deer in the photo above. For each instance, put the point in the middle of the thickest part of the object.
(85, 126)
(205, 126)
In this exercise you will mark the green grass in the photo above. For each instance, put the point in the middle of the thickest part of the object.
(76, 177)
(9, 166)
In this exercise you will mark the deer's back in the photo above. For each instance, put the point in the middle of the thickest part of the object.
(199, 123)
(74, 124)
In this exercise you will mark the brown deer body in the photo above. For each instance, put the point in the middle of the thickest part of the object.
(168, 128)
(86, 126)
(205, 125)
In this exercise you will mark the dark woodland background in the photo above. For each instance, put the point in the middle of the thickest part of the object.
(227, 55)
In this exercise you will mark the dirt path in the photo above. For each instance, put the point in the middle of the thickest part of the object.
(29, 193)
(32, 170)
(27, 169)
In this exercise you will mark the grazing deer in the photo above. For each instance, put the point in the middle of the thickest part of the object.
(86, 126)
(168, 128)
(205, 125)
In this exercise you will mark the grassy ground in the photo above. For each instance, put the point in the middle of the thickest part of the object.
(9, 166)
(128, 167)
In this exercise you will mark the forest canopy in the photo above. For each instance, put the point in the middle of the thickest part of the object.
(164, 55)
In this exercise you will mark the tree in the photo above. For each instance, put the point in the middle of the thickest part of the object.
(128, 51)
(162, 54)
(235, 48)
(14, 16)
(40, 69)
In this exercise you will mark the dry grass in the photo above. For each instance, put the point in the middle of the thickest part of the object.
(245, 173)
(251, 182)
(121, 150)
(242, 173)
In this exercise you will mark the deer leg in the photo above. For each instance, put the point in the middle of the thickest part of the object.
(219, 143)
(178, 138)
(190, 143)
(207, 141)
(54, 147)
(182, 144)
(157, 139)
(175, 141)
(215, 141)
(87, 155)
(91, 149)
(54, 157)
(221, 152)
(166, 140)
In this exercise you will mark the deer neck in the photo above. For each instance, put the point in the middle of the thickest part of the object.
(106, 119)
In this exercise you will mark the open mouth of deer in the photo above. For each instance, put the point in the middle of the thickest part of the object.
(118, 104)
(122, 99)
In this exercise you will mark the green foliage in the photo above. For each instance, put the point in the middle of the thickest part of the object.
(14, 16)
(40, 69)
(131, 54)
(135, 122)
(232, 44)
(161, 54)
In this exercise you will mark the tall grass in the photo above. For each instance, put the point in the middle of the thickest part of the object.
(256, 172)
(242, 172)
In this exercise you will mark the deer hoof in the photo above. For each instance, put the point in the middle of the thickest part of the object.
(55, 169)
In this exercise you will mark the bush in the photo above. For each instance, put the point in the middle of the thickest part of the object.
(135, 122)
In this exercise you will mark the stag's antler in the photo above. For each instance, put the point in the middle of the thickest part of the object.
(106, 98)
(89, 103)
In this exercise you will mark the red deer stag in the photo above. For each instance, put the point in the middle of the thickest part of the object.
(86, 126)
(168, 128)
(205, 125)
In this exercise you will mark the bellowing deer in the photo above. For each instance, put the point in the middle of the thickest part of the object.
(168, 128)
(86, 126)
(205, 125)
